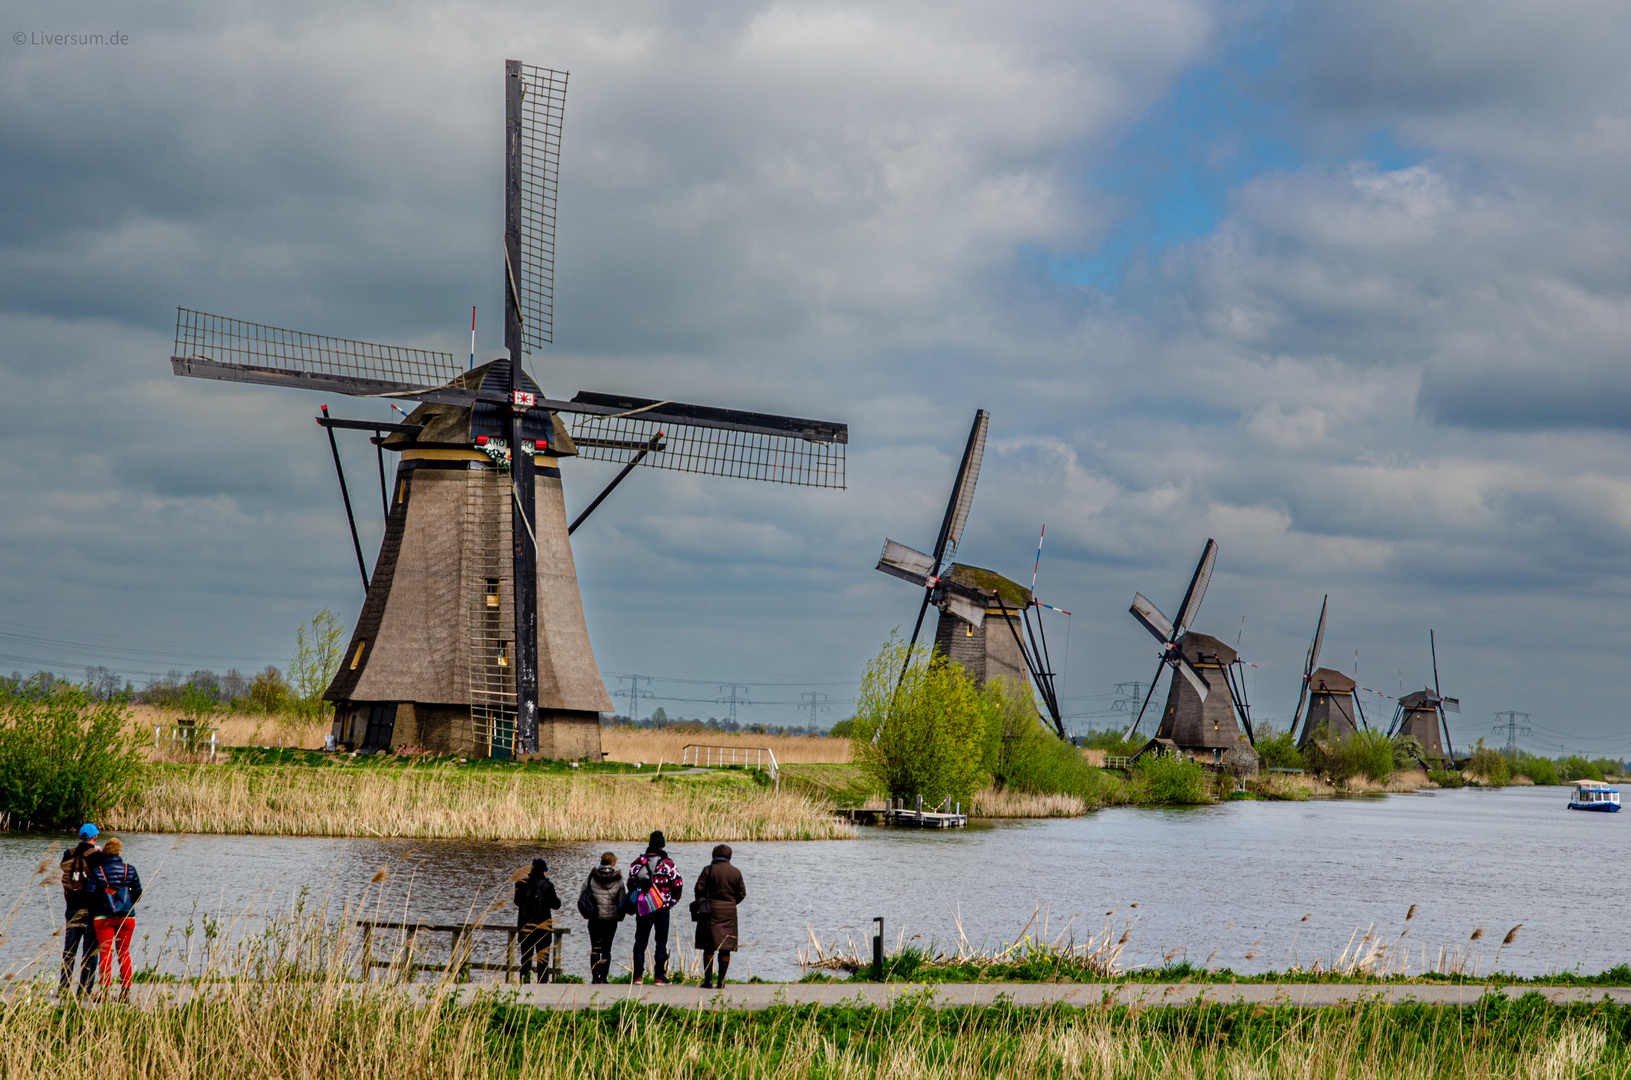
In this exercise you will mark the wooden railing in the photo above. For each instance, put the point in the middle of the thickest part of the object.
(192, 738)
(461, 947)
(713, 757)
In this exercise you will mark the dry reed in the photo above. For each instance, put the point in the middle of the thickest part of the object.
(667, 744)
(233, 729)
(1008, 803)
(352, 801)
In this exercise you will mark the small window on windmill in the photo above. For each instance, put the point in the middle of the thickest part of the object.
(402, 490)
(492, 592)
(504, 654)
(968, 629)
(356, 657)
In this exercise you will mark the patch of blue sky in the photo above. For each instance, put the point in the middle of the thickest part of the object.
(1227, 120)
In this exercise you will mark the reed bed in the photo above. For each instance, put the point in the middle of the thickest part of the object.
(1008, 803)
(450, 803)
(667, 744)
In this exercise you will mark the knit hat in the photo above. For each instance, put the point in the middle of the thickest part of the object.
(539, 865)
(657, 841)
(608, 859)
(722, 851)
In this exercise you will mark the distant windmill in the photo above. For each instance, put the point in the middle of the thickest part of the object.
(1329, 694)
(1198, 720)
(1422, 714)
(472, 637)
(982, 613)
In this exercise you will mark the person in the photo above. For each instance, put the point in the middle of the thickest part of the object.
(80, 895)
(602, 904)
(655, 886)
(720, 887)
(119, 887)
(535, 901)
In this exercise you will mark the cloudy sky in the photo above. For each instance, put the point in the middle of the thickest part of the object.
(1342, 286)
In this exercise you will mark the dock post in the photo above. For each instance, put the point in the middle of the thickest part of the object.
(877, 949)
(920, 807)
(509, 958)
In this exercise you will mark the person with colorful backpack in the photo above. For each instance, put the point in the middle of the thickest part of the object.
(118, 888)
(79, 894)
(654, 887)
(535, 901)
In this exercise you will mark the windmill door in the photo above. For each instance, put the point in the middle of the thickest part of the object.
(381, 721)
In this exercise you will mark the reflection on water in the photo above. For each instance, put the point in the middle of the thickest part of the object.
(1216, 882)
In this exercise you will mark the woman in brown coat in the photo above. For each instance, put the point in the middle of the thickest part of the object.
(720, 888)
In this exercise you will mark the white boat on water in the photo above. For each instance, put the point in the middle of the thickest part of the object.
(1595, 795)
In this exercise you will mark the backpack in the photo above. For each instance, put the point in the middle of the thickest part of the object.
(119, 901)
(76, 876)
(586, 903)
(644, 895)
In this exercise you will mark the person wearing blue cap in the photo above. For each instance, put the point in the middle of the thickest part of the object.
(79, 894)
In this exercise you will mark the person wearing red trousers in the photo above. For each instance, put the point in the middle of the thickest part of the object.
(118, 887)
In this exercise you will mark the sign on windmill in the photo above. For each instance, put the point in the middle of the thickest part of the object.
(1206, 704)
(463, 657)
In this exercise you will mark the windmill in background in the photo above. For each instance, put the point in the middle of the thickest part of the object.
(1423, 715)
(470, 655)
(1329, 694)
(1204, 698)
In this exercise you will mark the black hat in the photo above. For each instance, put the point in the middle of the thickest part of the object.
(657, 841)
(540, 865)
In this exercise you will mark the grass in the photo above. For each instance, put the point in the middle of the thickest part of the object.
(497, 801)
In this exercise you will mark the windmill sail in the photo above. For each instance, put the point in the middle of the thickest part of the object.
(1191, 606)
(708, 440)
(1148, 614)
(543, 111)
(906, 563)
(215, 347)
(962, 496)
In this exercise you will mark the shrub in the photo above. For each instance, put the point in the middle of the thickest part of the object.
(1408, 753)
(1538, 769)
(1173, 780)
(1575, 767)
(1490, 766)
(1445, 778)
(931, 732)
(843, 729)
(1277, 748)
(65, 756)
(1114, 742)
(268, 693)
(1366, 752)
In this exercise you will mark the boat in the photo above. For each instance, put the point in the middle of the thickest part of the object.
(1595, 795)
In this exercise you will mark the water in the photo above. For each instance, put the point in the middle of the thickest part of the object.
(1216, 882)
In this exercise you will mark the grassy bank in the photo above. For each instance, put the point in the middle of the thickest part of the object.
(363, 797)
(249, 1031)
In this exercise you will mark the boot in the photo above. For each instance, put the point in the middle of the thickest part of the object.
(724, 966)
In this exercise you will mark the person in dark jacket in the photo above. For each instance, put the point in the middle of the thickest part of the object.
(606, 896)
(79, 895)
(535, 901)
(656, 866)
(119, 887)
(720, 885)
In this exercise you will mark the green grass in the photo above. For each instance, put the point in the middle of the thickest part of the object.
(841, 785)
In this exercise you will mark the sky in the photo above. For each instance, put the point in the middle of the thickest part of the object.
(1344, 287)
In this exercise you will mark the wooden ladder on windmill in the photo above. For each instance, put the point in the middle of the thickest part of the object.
(489, 620)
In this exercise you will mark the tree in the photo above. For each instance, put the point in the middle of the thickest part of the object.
(659, 715)
(318, 648)
(1277, 748)
(930, 734)
(268, 693)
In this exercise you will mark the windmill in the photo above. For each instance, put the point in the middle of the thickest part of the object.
(1423, 715)
(1332, 704)
(471, 638)
(1198, 720)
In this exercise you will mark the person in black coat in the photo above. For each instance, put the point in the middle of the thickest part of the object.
(79, 896)
(535, 902)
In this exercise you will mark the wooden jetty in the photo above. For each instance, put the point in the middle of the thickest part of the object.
(897, 813)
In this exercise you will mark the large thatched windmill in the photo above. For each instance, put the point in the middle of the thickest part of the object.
(1333, 707)
(472, 637)
(1205, 699)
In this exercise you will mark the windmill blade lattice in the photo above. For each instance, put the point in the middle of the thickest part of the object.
(1191, 607)
(962, 498)
(543, 112)
(707, 440)
(216, 347)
